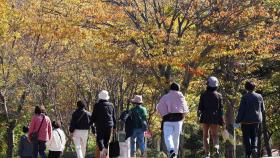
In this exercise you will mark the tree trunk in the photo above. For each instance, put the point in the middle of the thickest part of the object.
(266, 137)
(230, 148)
(10, 138)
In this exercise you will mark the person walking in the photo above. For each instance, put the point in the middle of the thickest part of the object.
(57, 142)
(25, 149)
(40, 131)
(210, 113)
(250, 116)
(172, 107)
(79, 126)
(103, 116)
(139, 124)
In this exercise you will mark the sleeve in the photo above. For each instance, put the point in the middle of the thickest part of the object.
(114, 118)
(63, 139)
(93, 115)
(200, 108)
(49, 128)
(241, 110)
(221, 106)
(262, 105)
(161, 107)
(20, 146)
(31, 128)
(48, 143)
(145, 113)
(72, 123)
(201, 104)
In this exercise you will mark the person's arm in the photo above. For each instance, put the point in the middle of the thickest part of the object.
(241, 110)
(31, 128)
(63, 139)
(145, 113)
(262, 105)
(114, 118)
(221, 109)
(200, 106)
(49, 143)
(49, 128)
(72, 123)
(93, 115)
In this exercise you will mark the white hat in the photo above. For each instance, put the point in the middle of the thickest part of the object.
(103, 95)
(137, 99)
(212, 81)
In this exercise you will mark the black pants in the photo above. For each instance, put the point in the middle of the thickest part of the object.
(250, 137)
(54, 154)
(39, 147)
(103, 136)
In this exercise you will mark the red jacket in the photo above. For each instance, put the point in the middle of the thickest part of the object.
(46, 129)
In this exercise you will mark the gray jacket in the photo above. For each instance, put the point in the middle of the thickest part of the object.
(251, 108)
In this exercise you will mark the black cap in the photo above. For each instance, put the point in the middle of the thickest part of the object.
(175, 86)
(250, 85)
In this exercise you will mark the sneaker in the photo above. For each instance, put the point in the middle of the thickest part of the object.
(216, 152)
(254, 154)
(207, 155)
(172, 154)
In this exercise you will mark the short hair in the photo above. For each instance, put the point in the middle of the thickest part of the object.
(56, 124)
(81, 104)
(25, 129)
(175, 86)
(250, 85)
(37, 110)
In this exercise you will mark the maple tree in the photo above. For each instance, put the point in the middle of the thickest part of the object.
(55, 52)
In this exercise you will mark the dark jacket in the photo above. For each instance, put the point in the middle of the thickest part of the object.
(83, 123)
(251, 108)
(25, 148)
(210, 108)
(103, 115)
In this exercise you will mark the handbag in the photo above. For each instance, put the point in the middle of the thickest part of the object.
(114, 147)
(35, 135)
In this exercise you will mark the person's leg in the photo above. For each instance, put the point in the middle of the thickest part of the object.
(254, 139)
(133, 143)
(51, 154)
(246, 139)
(214, 130)
(84, 137)
(176, 135)
(167, 132)
(42, 148)
(206, 139)
(140, 140)
(107, 137)
(77, 143)
(35, 149)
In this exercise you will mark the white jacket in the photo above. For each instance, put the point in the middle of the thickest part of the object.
(57, 141)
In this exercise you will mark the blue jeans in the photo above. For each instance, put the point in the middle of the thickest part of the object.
(137, 136)
(39, 147)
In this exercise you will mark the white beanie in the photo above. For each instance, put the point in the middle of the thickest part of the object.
(212, 81)
(103, 95)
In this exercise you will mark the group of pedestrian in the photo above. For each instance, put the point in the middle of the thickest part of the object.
(172, 107)
(40, 135)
